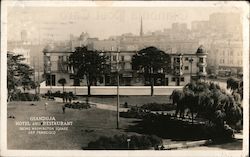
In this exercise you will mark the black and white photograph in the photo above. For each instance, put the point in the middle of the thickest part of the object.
(122, 77)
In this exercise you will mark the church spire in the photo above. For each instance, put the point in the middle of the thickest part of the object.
(141, 29)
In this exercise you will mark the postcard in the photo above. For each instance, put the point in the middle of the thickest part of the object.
(124, 78)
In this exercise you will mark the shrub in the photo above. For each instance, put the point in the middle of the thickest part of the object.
(77, 105)
(120, 142)
(60, 95)
(158, 107)
(219, 133)
(134, 112)
(25, 97)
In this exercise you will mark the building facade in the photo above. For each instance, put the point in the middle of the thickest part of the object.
(184, 66)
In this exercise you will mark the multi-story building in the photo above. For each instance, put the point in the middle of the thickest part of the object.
(188, 66)
(30, 50)
(221, 34)
(227, 55)
(56, 65)
(183, 65)
(187, 61)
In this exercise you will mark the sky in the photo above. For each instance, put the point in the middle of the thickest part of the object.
(102, 22)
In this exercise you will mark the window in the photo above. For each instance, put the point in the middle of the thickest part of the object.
(201, 60)
(122, 58)
(173, 79)
(60, 58)
(71, 76)
(50, 80)
(231, 53)
(186, 58)
(101, 80)
(186, 67)
(128, 66)
(182, 79)
(114, 58)
(122, 66)
(127, 58)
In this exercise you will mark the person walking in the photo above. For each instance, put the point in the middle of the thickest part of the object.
(70, 98)
(66, 96)
(46, 105)
(63, 108)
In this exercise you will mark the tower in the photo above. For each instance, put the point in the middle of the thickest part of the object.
(141, 29)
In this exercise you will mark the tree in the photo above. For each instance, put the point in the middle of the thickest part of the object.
(177, 96)
(151, 62)
(236, 85)
(232, 84)
(62, 81)
(25, 73)
(210, 102)
(87, 64)
(18, 74)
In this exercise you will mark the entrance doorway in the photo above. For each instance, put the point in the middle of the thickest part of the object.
(177, 81)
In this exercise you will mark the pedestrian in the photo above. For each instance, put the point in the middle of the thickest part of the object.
(63, 95)
(70, 99)
(46, 105)
(66, 96)
(156, 147)
(126, 105)
(162, 147)
(63, 108)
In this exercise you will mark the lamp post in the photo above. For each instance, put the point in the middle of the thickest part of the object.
(128, 140)
(118, 84)
(152, 80)
(50, 72)
(50, 77)
(191, 61)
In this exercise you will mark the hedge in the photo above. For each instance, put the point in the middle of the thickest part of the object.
(120, 142)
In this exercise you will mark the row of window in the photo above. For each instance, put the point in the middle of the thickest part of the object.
(231, 53)
(185, 68)
(177, 59)
(121, 58)
(174, 79)
(239, 62)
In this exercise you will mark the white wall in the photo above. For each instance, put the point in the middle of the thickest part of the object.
(112, 90)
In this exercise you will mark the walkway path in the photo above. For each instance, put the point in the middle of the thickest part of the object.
(98, 105)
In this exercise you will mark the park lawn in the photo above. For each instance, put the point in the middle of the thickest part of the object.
(131, 100)
(100, 122)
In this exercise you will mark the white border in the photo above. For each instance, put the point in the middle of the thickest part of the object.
(4, 152)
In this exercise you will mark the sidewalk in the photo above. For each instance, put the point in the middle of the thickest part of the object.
(200, 144)
(238, 136)
(97, 105)
(170, 145)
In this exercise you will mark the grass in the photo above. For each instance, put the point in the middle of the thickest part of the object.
(102, 122)
(131, 100)
(88, 124)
